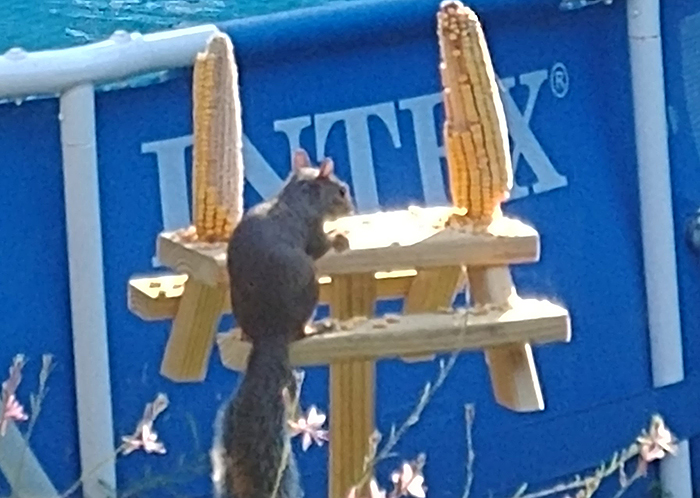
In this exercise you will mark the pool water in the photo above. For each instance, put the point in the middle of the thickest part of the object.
(44, 24)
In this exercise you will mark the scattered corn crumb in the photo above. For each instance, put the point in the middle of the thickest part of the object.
(392, 318)
(353, 322)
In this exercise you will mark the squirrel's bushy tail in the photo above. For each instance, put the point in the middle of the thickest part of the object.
(249, 450)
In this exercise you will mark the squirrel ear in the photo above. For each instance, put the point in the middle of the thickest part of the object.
(300, 160)
(326, 168)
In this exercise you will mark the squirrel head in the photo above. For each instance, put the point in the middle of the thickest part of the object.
(316, 189)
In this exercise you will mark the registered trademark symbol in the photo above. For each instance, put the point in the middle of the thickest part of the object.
(559, 80)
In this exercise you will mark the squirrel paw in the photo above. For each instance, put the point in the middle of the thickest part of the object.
(340, 242)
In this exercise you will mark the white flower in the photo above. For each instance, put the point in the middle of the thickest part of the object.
(374, 491)
(656, 444)
(144, 436)
(409, 480)
(310, 427)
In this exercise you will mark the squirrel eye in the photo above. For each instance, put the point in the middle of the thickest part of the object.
(343, 191)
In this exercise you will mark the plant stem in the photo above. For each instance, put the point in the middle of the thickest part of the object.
(90, 472)
(36, 410)
(623, 488)
(287, 449)
(428, 392)
(469, 413)
(592, 482)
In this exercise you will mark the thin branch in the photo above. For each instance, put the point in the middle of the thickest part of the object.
(292, 409)
(184, 472)
(372, 457)
(469, 414)
(428, 392)
(90, 472)
(36, 402)
(626, 482)
(131, 443)
(591, 483)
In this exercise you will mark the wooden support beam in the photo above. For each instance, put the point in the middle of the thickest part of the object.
(193, 332)
(431, 290)
(154, 298)
(352, 382)
(512, 367)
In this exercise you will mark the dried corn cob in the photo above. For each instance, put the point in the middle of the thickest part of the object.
(217, 179)
(475, 130)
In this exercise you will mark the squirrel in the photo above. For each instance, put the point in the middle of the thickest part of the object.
(274, 292)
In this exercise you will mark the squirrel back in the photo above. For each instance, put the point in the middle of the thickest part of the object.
(271, 253)
(274, 292)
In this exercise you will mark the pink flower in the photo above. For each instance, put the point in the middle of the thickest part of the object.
(144, 436)
(374, 491)
(310, 427)
(656, 444)
(10, 408)
(409, 480)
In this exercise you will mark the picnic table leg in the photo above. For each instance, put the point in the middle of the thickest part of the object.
(351, 388)
(193, 331)
(512, 367)
(431, 289)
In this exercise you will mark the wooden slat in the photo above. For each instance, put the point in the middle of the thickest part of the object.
(385, 241)
(158, 297)
(193, 331)
(205, 262)
(155, 297)
(514, 378)
(530, 320)
(415, 238)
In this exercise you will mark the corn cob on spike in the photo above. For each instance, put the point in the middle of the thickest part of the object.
(491, 108)
(218, 165)
(475, 131)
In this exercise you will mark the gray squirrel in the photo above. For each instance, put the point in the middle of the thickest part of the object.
(274, 292)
